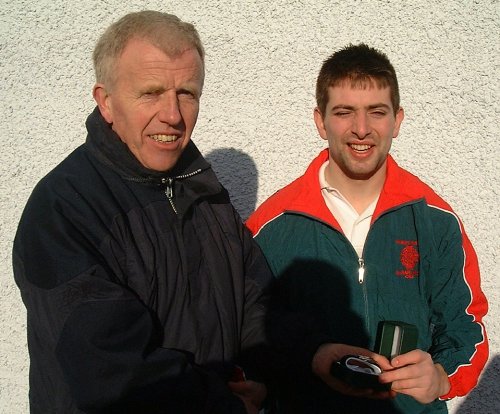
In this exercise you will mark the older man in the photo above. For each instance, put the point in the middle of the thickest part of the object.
(142, 286)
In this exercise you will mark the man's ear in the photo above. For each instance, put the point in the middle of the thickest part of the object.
(400, 115)
(103, 100)
(320, 124)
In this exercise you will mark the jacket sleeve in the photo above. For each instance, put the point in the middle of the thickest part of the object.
(292, 335)
(458, 306)
(258, 280)
(90, 333)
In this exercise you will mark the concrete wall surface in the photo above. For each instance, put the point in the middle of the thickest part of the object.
(256, 123)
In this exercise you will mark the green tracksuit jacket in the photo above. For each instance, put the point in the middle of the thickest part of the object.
(417, 266)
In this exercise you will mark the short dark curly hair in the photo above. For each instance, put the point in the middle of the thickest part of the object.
(357, 64)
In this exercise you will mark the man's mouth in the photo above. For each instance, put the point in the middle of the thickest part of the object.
(360, 147)
(163, 138)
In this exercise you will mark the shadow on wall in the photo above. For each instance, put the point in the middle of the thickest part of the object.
(485, 398)
(238, 174)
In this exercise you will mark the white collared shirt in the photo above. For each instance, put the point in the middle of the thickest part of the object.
(355, 226)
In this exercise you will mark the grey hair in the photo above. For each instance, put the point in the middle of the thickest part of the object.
(165, 31)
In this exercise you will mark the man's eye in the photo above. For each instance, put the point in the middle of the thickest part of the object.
(148, 94)
(185, 93)
(379, 113)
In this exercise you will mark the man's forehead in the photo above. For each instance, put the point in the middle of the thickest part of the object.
(360, 89)
(362, 83)
(168, 48)
(359, 93)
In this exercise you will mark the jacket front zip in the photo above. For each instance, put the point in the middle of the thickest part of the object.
(169, 186)
(169, 191)
(361, 270)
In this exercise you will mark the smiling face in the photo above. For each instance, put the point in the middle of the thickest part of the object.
(359, 124)
(153, 102)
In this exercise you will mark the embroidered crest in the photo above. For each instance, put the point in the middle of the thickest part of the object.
(409, 259)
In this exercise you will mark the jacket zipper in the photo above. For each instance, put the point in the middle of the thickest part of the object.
(361, 279)
(169, 186)
(361, 270)
(169, 191)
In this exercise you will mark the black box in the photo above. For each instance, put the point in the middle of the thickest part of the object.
(359, 371)
(393, 338)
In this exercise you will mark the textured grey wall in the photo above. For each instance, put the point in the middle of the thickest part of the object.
(256, 118)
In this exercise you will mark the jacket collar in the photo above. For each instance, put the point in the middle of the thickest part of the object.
(107, 146)
(191, 177)
(400, 187)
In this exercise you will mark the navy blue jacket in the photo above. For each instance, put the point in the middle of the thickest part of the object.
(141, 288)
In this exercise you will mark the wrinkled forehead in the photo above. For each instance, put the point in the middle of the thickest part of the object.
(169, 44)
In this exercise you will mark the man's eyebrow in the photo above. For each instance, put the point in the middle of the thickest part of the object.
(152, 88)
(379, 105)
(350, 107)
(372, 106)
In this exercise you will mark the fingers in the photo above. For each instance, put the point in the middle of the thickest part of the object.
(240, 387)
(416, 374)
(382, 362)
(346, 389)
(328, 354)
(248, 388)
(409, 366)
(413, 373)
(413, 357)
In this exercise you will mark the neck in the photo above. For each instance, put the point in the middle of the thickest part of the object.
(359, 192)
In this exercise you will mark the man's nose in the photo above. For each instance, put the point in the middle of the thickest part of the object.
(361, 125)
(169, 111)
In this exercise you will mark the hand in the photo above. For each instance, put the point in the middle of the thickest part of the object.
(251, 393)
(416, 374)
(327, 354)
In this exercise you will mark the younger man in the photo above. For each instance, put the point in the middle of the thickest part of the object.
(357, 240)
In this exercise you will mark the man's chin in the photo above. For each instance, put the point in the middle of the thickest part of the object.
(161, 165)
(362, 174)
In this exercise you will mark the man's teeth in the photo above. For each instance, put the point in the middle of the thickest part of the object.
(164, 138)
(363, 147)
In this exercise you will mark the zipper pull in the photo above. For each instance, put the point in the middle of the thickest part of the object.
(169, 190)
(361, 270)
